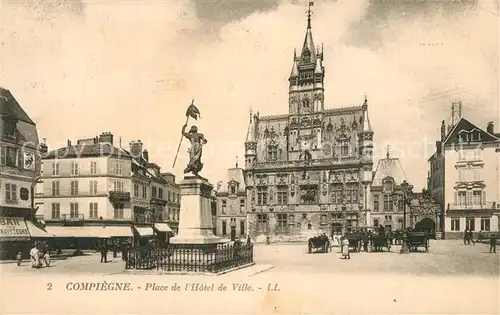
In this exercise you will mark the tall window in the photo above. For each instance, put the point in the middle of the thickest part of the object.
(476, 197)
(242, 228)
(118, 186)
(55, 188)
(74, 168)
(388, 205)
(73, 210)
(11, 156)
(352, 194)
(388, 185)
(118, 168)
(74, 188)
(470, 224)
(262, 196)
(461, 198)
(337, 193)
(272, 152)
(153, 192)
(144, 191)
(455, 224)
(291, 222)
(262, 223)
(10, 192)
(344, 148)
(136, 190)
(375, 202)
(93, 167)
(118, 211)
(224, 228)
(169, 196)
(93, 210)
(282, 195)
(55, 169)
(282, 223)
(160, 193)
(93, 187)
(56, 211)
(223, 206)
(485, 224)
(242, 205)
(3, 156)
(375, 222)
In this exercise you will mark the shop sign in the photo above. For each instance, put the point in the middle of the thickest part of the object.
(13, 227)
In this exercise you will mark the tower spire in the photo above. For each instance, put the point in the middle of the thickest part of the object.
(311, 3)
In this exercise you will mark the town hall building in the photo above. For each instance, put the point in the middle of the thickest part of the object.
(309, 169)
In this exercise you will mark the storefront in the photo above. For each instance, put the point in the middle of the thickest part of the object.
(89, 237)
(143, 235)
(14, 237)
(163, 231)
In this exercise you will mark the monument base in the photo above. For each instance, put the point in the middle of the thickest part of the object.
(195, 224)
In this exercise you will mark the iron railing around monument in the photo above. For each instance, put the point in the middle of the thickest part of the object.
(211, 258)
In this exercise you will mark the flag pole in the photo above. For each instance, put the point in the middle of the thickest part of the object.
(182, 135)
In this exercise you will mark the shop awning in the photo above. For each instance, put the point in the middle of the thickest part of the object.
(144, 231)
(37, 232)
(163, 227)
(13, 229)
(90, 231)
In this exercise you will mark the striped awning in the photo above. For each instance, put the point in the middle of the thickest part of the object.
(163, 227)
(144, 231)
(90, 231)
(37, 232)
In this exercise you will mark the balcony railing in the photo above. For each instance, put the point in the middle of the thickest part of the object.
(119, 196)
(68, 217)
(485, 206)
(158, 201)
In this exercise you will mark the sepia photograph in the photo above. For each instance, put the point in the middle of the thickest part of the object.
(249, 156)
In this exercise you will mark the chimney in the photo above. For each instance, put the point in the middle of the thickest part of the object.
(456, 112)
(43, 146)
(490, 128)
(69, 143)
(145, 155)
(443, 130)
(136, 149)
(106, 137)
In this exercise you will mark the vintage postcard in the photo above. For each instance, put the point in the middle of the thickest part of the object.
(249, 156)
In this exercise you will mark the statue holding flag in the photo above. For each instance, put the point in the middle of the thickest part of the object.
(197, 141)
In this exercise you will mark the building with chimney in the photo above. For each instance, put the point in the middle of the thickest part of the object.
(19, 172)
(463, 175)
(309, 169)
(231, 212)
(94, 189)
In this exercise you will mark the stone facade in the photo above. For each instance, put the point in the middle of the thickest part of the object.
(470, 191)
(308, 169)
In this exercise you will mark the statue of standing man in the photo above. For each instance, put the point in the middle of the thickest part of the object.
(197, 141)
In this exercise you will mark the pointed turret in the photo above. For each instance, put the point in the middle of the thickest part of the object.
(319, 67)
(308, 53)
(366, 135)
(251, 142)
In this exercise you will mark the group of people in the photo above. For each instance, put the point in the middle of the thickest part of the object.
(469, 239)
(39, 257)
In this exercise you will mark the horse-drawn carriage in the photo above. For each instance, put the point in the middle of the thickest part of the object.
(416, 240)
(381, 241)
(355, 240)
(320, 242)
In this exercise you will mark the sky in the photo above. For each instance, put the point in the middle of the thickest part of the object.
(132, 67)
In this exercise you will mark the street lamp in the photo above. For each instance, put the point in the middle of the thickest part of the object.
(406, 191)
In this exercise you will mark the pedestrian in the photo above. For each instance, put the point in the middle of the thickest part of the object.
(493, 243)
(35, 257)
(249, 240)
(345, 248)
(104, 253)
(268, 240)
(46, 259)
(115, 249)
(466, 236)
(19, 258)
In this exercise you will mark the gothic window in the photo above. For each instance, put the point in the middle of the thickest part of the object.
(337, 193)
(272, 152)
(262, 196)
(388, 206)
(352, 194)
(262, 222)
(282, 195)
(344, 148)
(282, 223)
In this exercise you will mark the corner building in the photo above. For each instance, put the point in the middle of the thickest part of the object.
(311, 168)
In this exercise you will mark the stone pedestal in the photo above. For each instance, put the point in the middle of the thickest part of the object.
(195, 223)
